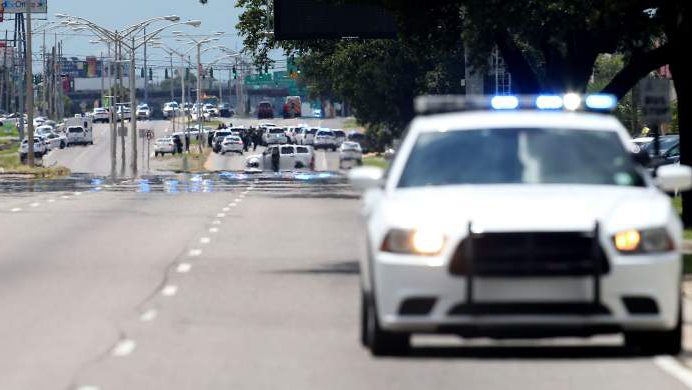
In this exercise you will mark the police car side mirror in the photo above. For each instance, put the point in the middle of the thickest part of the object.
(672, 178)
(366, 178)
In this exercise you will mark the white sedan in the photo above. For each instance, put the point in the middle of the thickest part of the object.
(350, 151)
(163, 146)
(232, 144)
(520, 223)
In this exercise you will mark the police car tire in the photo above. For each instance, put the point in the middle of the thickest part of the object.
(667, 342)
(381, 342)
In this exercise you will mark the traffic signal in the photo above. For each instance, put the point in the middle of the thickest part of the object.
(166, 75)
(151, 75)
(211, 72)
(235, 73)
(141, 71)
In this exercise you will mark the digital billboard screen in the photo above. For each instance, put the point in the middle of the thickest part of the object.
(323, 19)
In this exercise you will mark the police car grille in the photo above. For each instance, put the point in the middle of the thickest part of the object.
(530, 254)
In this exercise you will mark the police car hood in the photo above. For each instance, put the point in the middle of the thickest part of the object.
(527, 207)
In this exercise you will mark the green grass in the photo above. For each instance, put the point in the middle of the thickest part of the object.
(374, 161)
(687, 264)
(351, 123)
(9, 130)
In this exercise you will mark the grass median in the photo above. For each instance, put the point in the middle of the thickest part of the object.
(375, 161)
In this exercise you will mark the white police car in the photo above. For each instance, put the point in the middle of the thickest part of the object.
(521, 223)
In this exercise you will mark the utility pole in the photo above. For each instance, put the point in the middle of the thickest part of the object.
(146, 70)
(199, 94)
(172, 79)
(29, 88)
(133, 106)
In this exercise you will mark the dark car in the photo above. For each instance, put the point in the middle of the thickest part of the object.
(265, 110)
(666, 142)
(355, 136)
(669, 157)
(225, 110)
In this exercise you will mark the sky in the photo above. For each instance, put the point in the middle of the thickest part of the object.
(216, 15)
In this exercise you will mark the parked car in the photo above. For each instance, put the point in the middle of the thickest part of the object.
(78, 135)
(325, 139)
(274, 135)
(143, 112)
(39, 148)
(170, 110)
(55, 141)
(292, 157)
(164, 145)
(340, 136)
(211, 111)
(219, 136)
(356, 136)
(233, 144)
(101, 115)
(265, 110)
(124, 113)
(350, 151)
(292, 107)
(665, 142)
(225, 110)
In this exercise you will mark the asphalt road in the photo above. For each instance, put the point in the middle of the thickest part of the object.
(237, 285)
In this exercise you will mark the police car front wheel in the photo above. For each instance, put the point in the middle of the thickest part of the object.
(379, 341)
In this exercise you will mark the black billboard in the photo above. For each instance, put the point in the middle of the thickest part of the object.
(320, 19)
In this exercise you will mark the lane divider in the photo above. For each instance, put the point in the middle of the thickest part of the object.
(213, 230)
(204, 240)
(183, 268)
(148, 315)
(169, 290)
(124, 347)
(194, 252)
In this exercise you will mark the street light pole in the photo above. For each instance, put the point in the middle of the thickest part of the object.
(29, 88)
(146, 70)
(199, 94)
(133, 107)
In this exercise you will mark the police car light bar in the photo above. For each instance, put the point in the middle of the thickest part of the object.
(437, 104)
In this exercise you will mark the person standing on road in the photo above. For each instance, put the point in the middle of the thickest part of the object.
(276, 159)
(178, 144)
(255, 139)
(246, 141)
(187, 142)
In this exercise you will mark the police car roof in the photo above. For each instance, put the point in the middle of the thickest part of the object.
(515, 119)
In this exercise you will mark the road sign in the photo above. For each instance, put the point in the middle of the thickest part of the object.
(150, 135)
(654, 98)
(19, 6)
(122, 131)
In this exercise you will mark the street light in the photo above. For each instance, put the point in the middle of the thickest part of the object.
(125, 38)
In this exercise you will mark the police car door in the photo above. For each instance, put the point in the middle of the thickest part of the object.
(288, 158)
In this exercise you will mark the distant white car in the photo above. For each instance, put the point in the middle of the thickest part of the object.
(350, 151)
(101, 115)
(143, 112)
(55, 141)
(39, 148)
(164, 145)
(79, 135)
(232, 144)
(211, 110)
(274, 135)
(170, 110)
(325, 139)
(292, 157)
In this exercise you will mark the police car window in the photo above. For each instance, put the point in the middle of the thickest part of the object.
(286, 150)
(302, 149)
(519, 156)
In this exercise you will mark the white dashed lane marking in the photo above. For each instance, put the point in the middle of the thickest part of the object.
(16, 210)
(124, 348)
(183, 268)
(674, 368)
(195, 253)
(169, 291)
(220, 215)
(217, 222)
(204, 240)
(226, 209)
(64, 197)
(88, 387)
(35, 204)
(51, 200)
(148, 315)
(213, 230)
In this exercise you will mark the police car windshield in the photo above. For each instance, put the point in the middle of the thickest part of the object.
(664, 142)
(519, 156)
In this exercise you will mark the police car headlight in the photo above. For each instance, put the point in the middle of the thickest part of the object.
(424, 242)
(643, 241)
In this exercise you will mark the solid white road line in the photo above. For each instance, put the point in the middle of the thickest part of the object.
(124, 348)
(676, 369)
(195, 253)
(169, 291)
(148, 315)
(183, 268)
(204, 240)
